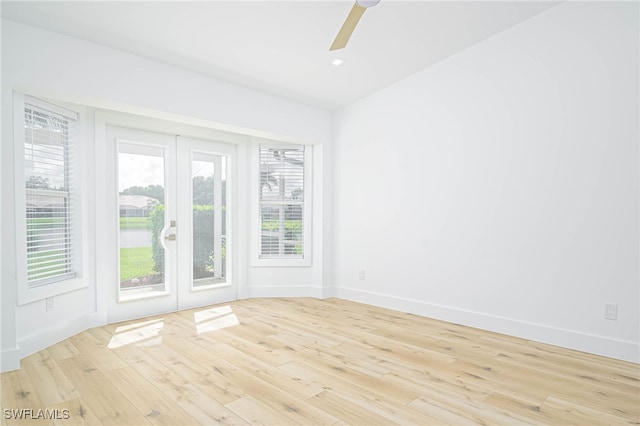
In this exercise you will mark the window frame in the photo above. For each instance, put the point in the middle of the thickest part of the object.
(27, 294)
(307, 204)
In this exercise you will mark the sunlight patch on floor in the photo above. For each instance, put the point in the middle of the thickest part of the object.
(214, 319)
(143, 333)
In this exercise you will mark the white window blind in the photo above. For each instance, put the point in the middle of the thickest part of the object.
(282, 202)
(51, 195)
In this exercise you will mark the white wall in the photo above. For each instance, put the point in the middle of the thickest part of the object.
(500, 187)
(50, 65)
(94, 75)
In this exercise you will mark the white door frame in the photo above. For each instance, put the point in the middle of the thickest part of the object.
(106, 206)
(188, 296)
(125, 306)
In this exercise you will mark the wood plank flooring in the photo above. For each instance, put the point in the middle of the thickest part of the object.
(307, 361)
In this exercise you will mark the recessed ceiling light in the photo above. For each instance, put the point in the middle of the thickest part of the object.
(337, 61)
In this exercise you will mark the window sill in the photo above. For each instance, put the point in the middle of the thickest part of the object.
(34, 294)
(279, 262)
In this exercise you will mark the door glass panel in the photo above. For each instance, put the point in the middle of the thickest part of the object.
(209, 220)
(141, 177)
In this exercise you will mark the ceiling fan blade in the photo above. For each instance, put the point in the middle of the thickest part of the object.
(347, 28)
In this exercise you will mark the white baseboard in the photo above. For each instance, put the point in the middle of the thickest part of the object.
(9, 360)
(47, 337)
(599, 345)
(285, 291)
(328, 292)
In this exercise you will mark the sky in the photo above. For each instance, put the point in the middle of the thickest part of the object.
(139, 170)
(144, 170)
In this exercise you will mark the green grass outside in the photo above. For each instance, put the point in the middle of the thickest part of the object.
(125, 222)
(34, 223)
(136, 262)
(36, 220)
(289, 225)
(54, 260)
(134, 223)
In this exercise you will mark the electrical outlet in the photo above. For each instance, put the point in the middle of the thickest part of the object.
(49, 304)
(361, 274)
(611, 311)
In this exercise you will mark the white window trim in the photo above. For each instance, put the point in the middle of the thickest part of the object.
(256, 233)
(26, 294)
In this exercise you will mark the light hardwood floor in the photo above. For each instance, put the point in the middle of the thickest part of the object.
(307, 361)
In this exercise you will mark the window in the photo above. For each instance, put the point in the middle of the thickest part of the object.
(282, 202)
(49, 209)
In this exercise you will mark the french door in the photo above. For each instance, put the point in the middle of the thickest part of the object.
(173, 222)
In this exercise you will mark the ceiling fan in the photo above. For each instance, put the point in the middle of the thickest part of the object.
(350, 23)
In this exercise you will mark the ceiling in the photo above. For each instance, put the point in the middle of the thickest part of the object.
(283, 47)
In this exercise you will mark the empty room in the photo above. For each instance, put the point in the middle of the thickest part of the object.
(320, 212)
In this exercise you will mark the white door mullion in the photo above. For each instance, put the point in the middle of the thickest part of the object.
(217, 217)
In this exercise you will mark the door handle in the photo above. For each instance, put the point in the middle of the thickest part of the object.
(167, 237)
